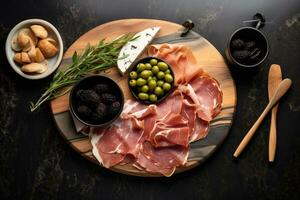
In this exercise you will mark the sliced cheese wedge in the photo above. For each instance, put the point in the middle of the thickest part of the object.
(133, 49)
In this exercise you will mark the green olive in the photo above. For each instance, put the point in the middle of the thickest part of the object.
(150, 72)
(143, 96)
(154, 78)
(145, 74)
(153, 98)
(148, 66)
(149, 78)
(145, 88)
(141, 67)
(153, 61)
(162, 66)
(169, 78)
(160, 75)
(160, 83)
(166, 86)
(133, 75)
(140, 82)
(152, 84)
(132, 83)
(167, 71)
(155, 69)
(158, 91)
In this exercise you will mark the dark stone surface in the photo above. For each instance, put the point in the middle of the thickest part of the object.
(36, 163)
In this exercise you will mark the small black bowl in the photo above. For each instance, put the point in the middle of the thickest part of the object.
(248, 34)
(89, 83)
(134, 91)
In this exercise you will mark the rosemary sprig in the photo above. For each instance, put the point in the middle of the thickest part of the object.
(100, 57)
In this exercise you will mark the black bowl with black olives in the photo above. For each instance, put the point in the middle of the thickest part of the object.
(151, 80)
(96, 101)
(248, 48)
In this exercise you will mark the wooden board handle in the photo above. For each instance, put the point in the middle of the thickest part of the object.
(281, 90)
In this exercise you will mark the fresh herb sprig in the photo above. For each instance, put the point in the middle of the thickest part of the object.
(100, 57)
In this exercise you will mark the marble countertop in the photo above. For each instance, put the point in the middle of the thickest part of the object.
(36, 163)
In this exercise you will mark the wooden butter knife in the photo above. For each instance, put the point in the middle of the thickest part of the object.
(275, 77)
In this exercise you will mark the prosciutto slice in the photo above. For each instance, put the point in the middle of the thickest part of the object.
(162, 160)
(206, 94)
(118, 140)
(156, 138)
(172, 104)
(180, 58)
(164, 136)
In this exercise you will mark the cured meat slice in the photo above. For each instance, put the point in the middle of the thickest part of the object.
(145, 163)
(175, 119)
(149, 125)
(166, 157)
(180, 58)
(170, 136)
(141, 112)
(131, 106)
(189, 113)
(172, 104)
(121, 138)
(144, 112)
(171, 126)
(206, 94)
(198, 128)
(129, 158)
(138, 110)
(106, 159)
(161, 160)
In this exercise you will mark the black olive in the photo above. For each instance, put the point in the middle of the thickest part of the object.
(88, 96)
(79, 93)
(115, 108)
(108, 98)
(101, 88)
(84, 111)
(96, 118)
(250, 45)
(255, 53)
(101, 109)
(241, 54)
(237, 44)
(101, 112)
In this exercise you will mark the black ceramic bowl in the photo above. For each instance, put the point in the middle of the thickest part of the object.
(89, 83)
(134, 91)
(248, 34)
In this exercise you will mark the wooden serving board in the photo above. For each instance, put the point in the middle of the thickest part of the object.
(207, 57)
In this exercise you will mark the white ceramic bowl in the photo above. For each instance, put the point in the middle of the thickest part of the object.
(53, 62)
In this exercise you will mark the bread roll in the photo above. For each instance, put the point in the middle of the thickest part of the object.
(39, 31)
(39, 57)
(48, 49)
(18, 58)
(34, 68)
(25, 57)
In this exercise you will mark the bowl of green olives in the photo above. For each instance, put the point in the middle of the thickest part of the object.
(96, 101)
(151, 80)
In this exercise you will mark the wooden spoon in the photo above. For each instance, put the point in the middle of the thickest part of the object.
(280, 91)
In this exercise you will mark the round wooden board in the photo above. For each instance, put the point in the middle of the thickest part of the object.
(207, 57)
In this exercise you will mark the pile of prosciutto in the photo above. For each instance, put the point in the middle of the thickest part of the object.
(156, 138)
